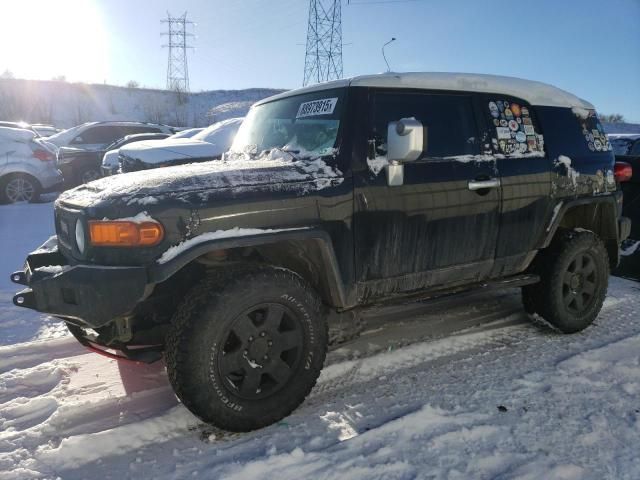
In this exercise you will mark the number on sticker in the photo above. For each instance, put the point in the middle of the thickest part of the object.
(325, 106)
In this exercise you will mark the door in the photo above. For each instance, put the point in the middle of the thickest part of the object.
(525, 175)
(440, 226)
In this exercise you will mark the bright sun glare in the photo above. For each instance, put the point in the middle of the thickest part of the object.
(48, 38)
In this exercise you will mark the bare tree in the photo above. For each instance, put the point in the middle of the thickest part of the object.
(611, 118)
(132, 84)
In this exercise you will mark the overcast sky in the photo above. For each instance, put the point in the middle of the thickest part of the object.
(589, 47)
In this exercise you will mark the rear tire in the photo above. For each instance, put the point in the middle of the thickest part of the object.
(574, 276)
(19, 187)
(246, 346)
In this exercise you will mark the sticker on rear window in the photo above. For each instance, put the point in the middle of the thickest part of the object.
(323, 106)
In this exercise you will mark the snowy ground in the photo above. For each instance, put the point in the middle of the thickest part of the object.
(465, 388)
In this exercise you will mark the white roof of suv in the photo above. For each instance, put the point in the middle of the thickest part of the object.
(536, 93)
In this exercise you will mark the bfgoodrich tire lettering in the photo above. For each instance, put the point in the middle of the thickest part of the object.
(574, 275)
(246, 346)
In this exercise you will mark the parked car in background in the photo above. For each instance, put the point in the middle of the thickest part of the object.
(209, 144)
(110, 164)
(45, 130)
(27, 166)
(97, 135)
(187, 133)
(626, 148)
(21, 126)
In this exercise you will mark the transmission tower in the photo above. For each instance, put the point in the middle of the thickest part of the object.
(177, 68)
(323, 58)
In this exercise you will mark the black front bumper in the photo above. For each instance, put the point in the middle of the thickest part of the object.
(90, 294)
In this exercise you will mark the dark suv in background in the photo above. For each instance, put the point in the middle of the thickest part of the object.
(76, 146)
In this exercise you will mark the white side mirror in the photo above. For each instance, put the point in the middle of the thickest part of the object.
(405, 140)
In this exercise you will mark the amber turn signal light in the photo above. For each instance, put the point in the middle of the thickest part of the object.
(119, 233)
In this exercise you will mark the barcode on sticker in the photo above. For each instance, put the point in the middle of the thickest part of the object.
(324, 106)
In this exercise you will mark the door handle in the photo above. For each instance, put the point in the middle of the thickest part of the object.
(482, 184)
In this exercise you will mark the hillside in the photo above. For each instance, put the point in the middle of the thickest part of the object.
(67, 104)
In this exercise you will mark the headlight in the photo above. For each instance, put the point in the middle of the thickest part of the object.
(80, 236)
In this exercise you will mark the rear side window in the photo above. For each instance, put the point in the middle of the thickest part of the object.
(635, 150)
(592, 130)
(450, 122)
(514, 130)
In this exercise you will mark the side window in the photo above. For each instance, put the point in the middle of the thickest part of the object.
(100, 134)
(635, 149)
(449, 119)
(514, 129)
(592, 130)
(141, 129)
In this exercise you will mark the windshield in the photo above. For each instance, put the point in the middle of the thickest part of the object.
(65, 136)
(304, 125)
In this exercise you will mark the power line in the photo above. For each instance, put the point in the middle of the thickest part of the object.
(323, 56)
(177, 67)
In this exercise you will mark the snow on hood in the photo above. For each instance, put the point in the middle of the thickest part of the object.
(240, 171)
(160, 151)
(211, 142)
(220, 133)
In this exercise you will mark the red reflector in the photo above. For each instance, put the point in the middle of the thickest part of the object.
(622, 171)
(43, 155)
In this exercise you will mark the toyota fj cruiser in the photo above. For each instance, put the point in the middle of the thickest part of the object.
(333, 198)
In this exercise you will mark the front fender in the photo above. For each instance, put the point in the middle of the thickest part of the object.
(190, 250)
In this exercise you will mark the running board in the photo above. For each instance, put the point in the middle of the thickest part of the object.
(515, 281)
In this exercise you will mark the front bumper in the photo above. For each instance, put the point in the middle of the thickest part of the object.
(90, 294)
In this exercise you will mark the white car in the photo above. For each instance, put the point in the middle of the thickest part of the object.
(209, 144)
(187, 133)
(97, 135)
(44, 130)
(27, 166)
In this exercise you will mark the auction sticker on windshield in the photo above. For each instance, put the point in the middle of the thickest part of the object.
(323, 106)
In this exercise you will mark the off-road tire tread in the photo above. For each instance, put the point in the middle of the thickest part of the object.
(538, 298)
(217, 284)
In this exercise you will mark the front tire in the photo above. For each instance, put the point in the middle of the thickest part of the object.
(246, 347)
(574, 277)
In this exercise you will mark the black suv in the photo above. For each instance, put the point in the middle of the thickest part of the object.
(334, 198)
(626, 148)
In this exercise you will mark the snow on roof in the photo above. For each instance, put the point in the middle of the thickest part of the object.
(536, 93)
(16, 134)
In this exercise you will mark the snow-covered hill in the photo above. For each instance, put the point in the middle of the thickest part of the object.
(457, 389)
(67, 104)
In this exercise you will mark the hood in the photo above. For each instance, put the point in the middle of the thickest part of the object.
(236, 174)
(152, 152)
